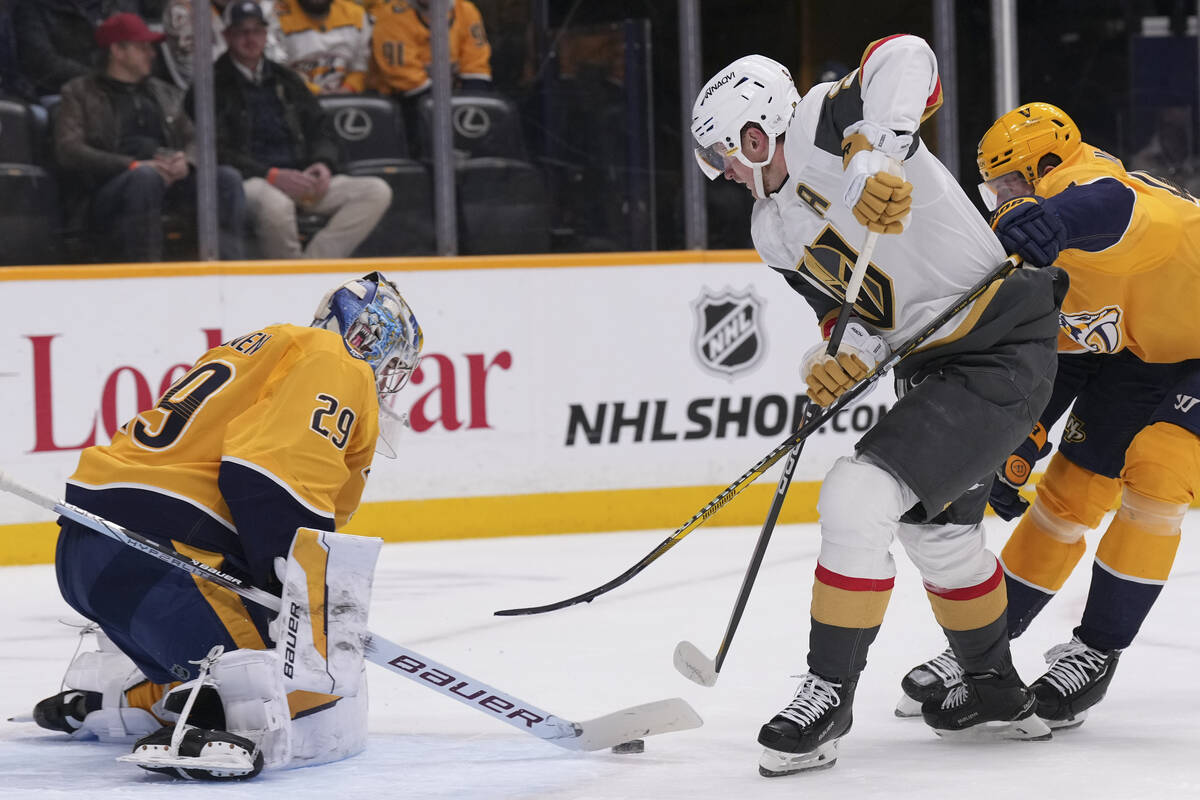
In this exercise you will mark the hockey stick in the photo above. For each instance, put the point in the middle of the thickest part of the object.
(803, 432)
(688, 659)
(621, 726)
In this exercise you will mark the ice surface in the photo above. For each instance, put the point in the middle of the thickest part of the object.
(438, 598)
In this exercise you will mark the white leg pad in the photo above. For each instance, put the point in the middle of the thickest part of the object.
(109, 672)
(250, 684)
(860, 507)
(949, 556)
(333, 733)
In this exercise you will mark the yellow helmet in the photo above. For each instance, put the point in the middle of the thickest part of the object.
(1019, 139)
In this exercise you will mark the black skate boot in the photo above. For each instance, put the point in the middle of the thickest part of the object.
(65, 711)
(804, 735)
(203, 754)
(986, 705)
(932, 678)
(1077, 679)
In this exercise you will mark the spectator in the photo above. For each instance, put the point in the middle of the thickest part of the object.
(327, 41)
(401, 54)
(126, 136)
(176, 61)
(55, 38)
(13, 82)
(271, 127)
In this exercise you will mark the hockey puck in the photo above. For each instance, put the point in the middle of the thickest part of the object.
(632, 746)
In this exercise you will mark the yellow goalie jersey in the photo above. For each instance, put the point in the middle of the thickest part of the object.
(401, 49)
(268, 432)
(1133, 255)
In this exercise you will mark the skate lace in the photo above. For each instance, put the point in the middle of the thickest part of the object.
(814, 697)
(1072, 665)
(946, 667)
(957, 694)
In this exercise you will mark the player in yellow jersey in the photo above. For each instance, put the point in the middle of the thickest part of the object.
(1130, 242)
(246, 463)
(401, 54)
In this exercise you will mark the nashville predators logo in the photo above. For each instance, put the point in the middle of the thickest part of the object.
(1096, 331)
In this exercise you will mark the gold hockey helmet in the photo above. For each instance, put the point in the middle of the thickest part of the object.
(1019, 139)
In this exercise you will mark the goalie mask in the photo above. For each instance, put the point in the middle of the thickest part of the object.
(377, 326)
(752, 89)
(1010, 154)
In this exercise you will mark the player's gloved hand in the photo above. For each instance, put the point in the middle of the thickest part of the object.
(1027, 228)
(858, 353)
(876, 191)
(1006, 499)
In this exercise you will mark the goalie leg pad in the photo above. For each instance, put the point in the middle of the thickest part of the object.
(322, 623)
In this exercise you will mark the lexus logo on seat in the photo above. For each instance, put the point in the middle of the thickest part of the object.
(472, 122)
(352, 124)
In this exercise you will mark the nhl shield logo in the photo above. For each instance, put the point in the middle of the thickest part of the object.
(729, 337)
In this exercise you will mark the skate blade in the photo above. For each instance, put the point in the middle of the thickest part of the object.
(1068, 723)
(776, 763)
(1030, 729)
(906, 707)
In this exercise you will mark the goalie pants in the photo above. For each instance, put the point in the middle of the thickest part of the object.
(158, 615)
(922, 474)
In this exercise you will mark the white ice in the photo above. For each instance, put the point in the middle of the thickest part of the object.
(438, 598)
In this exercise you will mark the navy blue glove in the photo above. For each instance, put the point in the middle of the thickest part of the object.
(1005, 498)
(1027, 228)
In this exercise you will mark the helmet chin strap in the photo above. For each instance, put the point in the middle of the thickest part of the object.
(756, 167)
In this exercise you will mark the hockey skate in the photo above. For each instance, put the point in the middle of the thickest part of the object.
(932, 678)
(1077, 679)
(66, 710)
(986, 706)
(804, 735)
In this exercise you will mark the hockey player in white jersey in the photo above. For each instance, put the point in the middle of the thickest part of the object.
(824, 169)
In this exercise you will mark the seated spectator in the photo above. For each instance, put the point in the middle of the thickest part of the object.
(271, 127)
(176, 61)
(55, 38)
(327, 41)
(126, 137)
(401, 52)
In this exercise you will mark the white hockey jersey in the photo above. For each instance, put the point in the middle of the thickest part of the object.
(945, 249)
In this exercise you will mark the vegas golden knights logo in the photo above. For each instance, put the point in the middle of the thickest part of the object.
(830, 261)
(729, 337)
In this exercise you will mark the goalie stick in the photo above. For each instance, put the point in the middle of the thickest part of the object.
(603, 732)
(688, 659)
(766, 462)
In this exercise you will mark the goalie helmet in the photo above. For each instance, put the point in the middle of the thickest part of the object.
(1019, 140)
(752, 89)
(376, 325)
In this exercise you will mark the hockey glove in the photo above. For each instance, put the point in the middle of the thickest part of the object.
(828, 378)
(1027, 228)
(1005, 498)
(876, 191)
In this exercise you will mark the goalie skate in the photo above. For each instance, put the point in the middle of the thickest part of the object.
(203, 755)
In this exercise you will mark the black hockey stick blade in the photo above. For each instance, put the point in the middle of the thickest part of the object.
(803, 432)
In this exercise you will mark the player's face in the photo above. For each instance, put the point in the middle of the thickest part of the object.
(999, 191)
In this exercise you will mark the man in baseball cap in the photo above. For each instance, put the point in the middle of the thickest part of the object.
(125, 141)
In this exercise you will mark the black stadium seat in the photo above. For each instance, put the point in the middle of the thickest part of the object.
(29, 213)
(503, 205)
(485, 126)
(374, 140)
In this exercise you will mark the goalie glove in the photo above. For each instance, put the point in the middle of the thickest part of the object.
(1026, 227)
(829, 377)
(876, 191)
(1005, 498)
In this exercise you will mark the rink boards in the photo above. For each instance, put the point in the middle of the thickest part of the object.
(557, 393)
